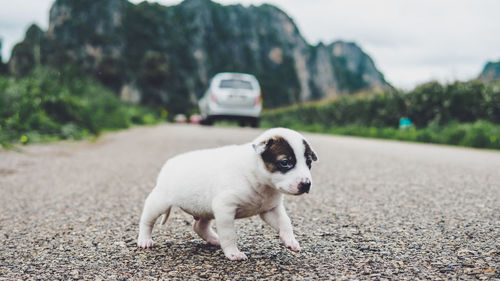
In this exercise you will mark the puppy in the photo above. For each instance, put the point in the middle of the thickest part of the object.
(233, 182)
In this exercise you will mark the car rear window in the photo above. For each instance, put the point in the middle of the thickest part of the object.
(235, 84)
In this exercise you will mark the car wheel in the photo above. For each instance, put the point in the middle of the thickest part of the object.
(207, 121)
(241, 122)
(254, 122)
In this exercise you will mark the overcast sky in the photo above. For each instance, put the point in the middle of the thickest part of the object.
(411, 41)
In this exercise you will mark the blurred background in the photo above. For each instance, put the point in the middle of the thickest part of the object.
(422, 71)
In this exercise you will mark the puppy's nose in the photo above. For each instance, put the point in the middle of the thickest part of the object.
(304, 187)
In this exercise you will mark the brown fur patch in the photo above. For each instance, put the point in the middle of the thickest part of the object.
(276, 150)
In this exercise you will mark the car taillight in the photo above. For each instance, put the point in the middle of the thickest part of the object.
(258, 100)
(213, 98)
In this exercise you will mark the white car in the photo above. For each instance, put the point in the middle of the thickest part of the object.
(232, 96)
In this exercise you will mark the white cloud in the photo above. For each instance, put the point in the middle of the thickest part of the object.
(17, 16)
(411, 41)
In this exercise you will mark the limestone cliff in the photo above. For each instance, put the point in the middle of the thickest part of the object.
(165, 55)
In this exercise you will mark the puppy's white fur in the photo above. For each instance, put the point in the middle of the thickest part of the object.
(228, 183)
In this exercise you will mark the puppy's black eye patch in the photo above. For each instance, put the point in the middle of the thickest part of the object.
(275, 154)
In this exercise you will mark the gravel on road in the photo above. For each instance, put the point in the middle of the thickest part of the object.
(377, 210)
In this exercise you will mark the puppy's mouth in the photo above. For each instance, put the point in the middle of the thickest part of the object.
(283, 190)
(300, 192)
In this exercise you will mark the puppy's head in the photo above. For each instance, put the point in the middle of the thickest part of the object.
(286, 158)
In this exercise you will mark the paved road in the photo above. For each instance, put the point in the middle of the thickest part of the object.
(377, 210)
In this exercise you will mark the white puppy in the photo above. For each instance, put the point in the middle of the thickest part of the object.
(233, 182)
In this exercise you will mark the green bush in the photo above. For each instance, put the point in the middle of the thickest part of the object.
(50, 105)
(480, 134)
(427, 104)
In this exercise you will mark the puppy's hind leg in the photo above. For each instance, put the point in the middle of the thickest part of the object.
(154, 206)
(204, 230)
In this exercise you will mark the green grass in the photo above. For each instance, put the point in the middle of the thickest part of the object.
(480, 134)
(47, 105)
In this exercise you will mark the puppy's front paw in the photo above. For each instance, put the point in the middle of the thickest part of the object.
(290, 242)
(145, 243)
(235, 255)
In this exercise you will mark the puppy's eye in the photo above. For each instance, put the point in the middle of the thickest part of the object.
(285, 163)
(308, 163)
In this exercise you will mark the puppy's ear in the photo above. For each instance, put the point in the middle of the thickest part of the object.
(314, 156)
(262, 146)
(311, 151)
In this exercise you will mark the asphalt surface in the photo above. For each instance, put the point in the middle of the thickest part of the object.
(377, 210)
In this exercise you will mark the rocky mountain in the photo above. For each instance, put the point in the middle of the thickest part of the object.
(491, 72)
(165, 55)
(3, 66)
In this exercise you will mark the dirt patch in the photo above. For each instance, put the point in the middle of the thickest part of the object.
(5, 172)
